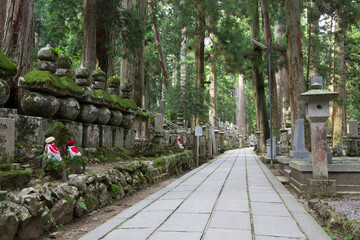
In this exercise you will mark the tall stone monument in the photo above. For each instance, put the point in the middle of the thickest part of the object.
(317, 113)
(298, 143)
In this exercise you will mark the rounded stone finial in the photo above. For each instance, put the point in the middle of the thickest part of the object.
(82, 72)
(48, 54)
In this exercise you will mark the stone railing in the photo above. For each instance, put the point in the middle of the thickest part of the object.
(27, 214)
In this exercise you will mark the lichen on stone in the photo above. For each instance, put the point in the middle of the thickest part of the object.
(9, 68)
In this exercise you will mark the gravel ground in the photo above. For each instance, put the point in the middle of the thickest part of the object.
(349, 205)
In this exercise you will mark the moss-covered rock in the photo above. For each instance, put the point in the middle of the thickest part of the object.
(128, 120)
(46, 66)
(7, 67)
(62, 134)
(104, 115)
(116, 118)
(113, 82)
(72, 88)
(99, 75)
(64, 61)
(41, 105)
(82, 72)
(69, 109)
(88, 113)
(48, 54)
(127, 103)
(14, 179)
(4, 92)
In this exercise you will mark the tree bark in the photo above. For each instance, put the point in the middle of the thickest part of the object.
(18, 42)
(89, 35)
(159, 47)
(3, 10)
(183, 66)
(127, 65)
(294, 59)
(241, 118)
(104, 35)
(339, 83)
(330, 72)
(275, 115)
(313, 41)
(258, 79)
(139, 68)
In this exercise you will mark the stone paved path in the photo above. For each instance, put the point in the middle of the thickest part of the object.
(233, 197)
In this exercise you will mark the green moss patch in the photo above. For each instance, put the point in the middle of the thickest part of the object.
(7, 65)
(71, 86)
(127, 103)
(64, 61)
(14, 179)
(101, 94)
(98, 73)
(5, 167)
(113, 81)
(62, 134)
(38, 77)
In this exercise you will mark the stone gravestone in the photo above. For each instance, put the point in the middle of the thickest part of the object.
(7, 139)
(268, 146)
(299, 141)
(353, 128)
(162, 107)
(159, 123)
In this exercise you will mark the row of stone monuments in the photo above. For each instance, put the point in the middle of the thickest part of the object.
(98, 110)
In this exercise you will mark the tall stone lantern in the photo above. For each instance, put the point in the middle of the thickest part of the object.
(317, 100)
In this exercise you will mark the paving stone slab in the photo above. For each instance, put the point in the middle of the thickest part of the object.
(265, 197)
(276, 226)
(103, 229)
(145, 219)
(133, 209)
(226, 204)
(163, 205)
(269, 209)
(230, 220)
(196, 206)
(176, 235)
(259, 237)
(176, 195)
(228, 234)
(185, 223)
(127, 234)
(228, 194)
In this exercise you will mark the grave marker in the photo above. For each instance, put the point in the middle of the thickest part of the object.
(7, 139)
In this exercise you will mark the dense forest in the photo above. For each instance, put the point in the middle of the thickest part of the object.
(198, 56)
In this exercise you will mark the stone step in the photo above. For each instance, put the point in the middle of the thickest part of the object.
(287, 173)
(283, 179)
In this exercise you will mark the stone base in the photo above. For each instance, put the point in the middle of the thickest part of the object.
(129, 139)
(77, 128)
(117, 137)
(106, 139)
(299, 154)
(91, 136)
(320, 187)
(8, 113)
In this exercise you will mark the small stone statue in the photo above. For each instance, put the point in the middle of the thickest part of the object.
(51, 151)
(72, 150)
(181, 146)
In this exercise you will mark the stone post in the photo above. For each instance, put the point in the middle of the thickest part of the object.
(353, 129)
(317, 114)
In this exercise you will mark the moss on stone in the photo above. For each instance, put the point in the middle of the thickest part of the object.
(64, 61)
(5, 167)
(71, 85)
(7, 65)
(127, 103)
(98, 73)
(38, 77)
(113, 81)
(159, 162)
(62, 134)
(101, 94)
(14, 179)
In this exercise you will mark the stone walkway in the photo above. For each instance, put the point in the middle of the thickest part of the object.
(233, 197)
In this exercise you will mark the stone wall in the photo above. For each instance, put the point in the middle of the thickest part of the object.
(27, 214)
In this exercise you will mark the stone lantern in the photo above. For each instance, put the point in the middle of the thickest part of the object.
(317, 100)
